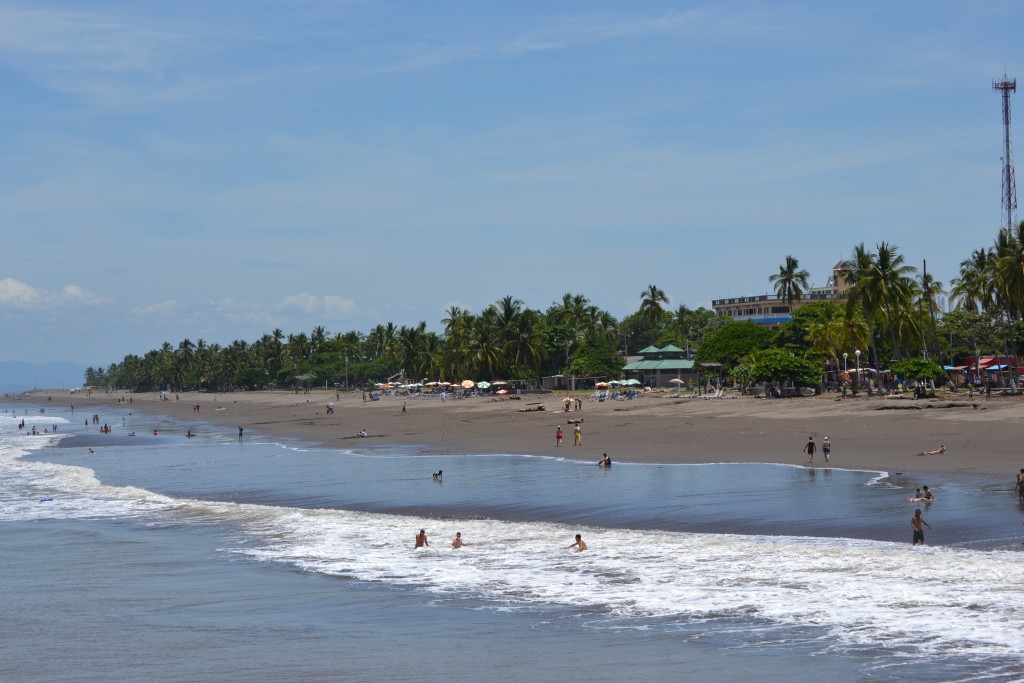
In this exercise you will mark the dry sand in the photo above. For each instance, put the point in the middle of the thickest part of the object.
(874, 434)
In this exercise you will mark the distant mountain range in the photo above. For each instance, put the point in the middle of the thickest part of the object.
(16, 376)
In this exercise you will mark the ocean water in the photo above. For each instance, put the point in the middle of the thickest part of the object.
(158, 557)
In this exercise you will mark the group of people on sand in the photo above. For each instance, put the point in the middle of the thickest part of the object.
(810, 447)
(457, 542)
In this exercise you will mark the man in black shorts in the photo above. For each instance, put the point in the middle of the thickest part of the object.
(915, 523)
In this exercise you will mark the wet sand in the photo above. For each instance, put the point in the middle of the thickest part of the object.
(885, 434)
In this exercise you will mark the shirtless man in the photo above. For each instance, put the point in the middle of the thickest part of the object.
(457, 542)
(605, 461)
(421, 539)
(579, 544)
(928, 496)
(915, 523)
(1020, 484)
(938, 451)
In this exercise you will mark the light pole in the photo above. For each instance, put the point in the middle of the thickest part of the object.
(856, 352)
(346, 370)
(845, 356)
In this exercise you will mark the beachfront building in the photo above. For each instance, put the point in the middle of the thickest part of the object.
(770, 310)
(657, 367)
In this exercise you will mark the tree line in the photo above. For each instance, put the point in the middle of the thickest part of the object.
(889, 312)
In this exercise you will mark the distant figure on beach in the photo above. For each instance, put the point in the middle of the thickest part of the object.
(421, 538)
(918, 497)
(809, 449)
(457, 542)
(915, 523)
(579, 544)
(1020, 484)
(438, 475)
(240, 430)
(362, 432)
(938, 451)
(330, 409)
(928, 495)
(403, 409)
(577, 436)
(189, 434)
(826, 448)
(558, 436)
(605, 461)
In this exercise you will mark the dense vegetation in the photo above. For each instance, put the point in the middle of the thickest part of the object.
(889, 312)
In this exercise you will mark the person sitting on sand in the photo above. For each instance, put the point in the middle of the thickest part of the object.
(457, 542)
(579, 544)
(362, 432)
(938, 451)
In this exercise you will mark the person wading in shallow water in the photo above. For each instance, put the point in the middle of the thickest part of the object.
(915, 523)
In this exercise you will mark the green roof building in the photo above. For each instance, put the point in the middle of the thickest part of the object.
(659, 366)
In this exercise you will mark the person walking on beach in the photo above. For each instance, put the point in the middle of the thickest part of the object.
(577, 436)
(826, 448)
(240, 430)
(809, 448)
(915, 523)
(421, 539)
(403, 409)
(558, 436)
(579, 544)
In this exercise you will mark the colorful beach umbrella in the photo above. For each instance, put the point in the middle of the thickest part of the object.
(484, 385)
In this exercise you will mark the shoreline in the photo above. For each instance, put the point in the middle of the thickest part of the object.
(877, 434)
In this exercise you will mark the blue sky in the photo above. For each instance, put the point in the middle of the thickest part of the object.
(217, 170)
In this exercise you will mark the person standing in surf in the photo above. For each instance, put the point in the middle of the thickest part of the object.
(421, 539)
(915, 523)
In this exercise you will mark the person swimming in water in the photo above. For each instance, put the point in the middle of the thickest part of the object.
(579, 544)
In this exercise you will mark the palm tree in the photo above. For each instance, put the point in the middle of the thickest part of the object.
(790, 281)
(893, 289)
(651, 300)
(860, 272)
(973, 289)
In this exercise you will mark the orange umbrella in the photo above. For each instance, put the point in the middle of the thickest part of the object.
(467, 384)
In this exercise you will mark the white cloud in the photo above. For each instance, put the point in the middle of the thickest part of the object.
(329, 304)
(18, 294)
(166, 307)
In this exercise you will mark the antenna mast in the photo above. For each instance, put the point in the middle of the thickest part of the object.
(1007, 86)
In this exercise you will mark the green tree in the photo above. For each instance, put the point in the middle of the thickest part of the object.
(778, 365)
(733, 342)
(790, 282)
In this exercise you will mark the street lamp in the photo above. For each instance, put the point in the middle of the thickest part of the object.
(845, 356)
(346, 370)
(856, 352)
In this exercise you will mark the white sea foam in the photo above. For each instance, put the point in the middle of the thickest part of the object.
(908, 601)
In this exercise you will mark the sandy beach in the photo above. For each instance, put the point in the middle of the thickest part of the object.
(866, 433)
